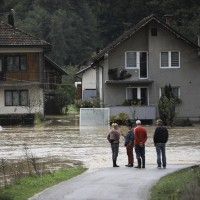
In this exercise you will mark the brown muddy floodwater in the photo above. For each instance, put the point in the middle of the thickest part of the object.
(65, 140)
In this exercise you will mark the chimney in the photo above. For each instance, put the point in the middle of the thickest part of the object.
(168, 19)
(11, 19)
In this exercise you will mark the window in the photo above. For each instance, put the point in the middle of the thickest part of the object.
(16, 63)
(175, 91)
(154, 32)
(137, 94)
(170, 59)
(138, 60)
(89, 93)
(131, 60)
(16, 97)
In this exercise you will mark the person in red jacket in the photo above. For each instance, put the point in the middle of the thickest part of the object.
(140, 137)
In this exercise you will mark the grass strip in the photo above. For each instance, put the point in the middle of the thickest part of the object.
(180, 185)
(26, 187)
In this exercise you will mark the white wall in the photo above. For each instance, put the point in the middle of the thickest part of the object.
(36, 102)
(89, 79)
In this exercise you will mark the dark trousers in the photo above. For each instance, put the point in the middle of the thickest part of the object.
(129, 151)
(140, 154)
(140, 151)
(115, 150)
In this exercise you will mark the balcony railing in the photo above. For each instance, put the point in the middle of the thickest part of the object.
(135, 112)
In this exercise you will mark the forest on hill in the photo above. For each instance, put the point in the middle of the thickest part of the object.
(76, 28)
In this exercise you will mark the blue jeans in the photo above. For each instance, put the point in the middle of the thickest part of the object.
(160, 149)
(115, 150)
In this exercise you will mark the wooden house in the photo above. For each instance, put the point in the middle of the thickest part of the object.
(27, 76)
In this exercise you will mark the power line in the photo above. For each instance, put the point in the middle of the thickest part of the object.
(35, 82)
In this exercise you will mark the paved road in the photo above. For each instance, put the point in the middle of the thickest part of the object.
(108, 184)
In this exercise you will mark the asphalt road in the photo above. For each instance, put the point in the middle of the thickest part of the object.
(108, 184)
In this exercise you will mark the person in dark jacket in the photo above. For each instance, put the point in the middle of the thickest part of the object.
(160, 139)
(129, 144)
(113, 137)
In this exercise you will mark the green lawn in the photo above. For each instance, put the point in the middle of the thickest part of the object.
(26, 187)
(181, 185)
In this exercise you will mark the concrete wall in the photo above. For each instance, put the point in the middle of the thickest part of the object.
(135, 112)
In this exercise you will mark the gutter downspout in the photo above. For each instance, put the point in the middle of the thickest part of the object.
(102, 84)
(97, 80)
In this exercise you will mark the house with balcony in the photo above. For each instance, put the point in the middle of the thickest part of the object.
(27, 76)
(130, 73)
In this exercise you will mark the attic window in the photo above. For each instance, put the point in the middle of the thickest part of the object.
(153, 31)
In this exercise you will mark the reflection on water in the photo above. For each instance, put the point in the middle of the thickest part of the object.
(65, 140)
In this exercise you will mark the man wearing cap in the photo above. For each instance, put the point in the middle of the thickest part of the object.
(113, 137)
(140, 137)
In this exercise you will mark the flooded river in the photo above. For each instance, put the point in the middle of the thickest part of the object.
(65, 140)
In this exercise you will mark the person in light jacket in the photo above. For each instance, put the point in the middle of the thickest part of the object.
(113, 137)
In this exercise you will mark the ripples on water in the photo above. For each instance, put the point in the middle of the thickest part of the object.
(89, 144)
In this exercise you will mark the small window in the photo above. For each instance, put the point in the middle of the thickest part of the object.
(175, 91)
(164, 59)
(154, 32)
(89, 93)
(16, 63)
(16, 98)
(13, 63)
(131, 60)
(170, 59)
(174, 59)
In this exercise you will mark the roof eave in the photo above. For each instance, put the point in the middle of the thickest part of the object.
(61, 70)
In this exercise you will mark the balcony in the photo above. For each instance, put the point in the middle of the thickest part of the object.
(126, 77)
(135, 112)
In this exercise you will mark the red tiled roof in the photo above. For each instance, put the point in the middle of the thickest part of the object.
(11, 36)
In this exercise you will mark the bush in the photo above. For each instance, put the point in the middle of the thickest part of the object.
(113, 118)
(93, 102)
(121, 118)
